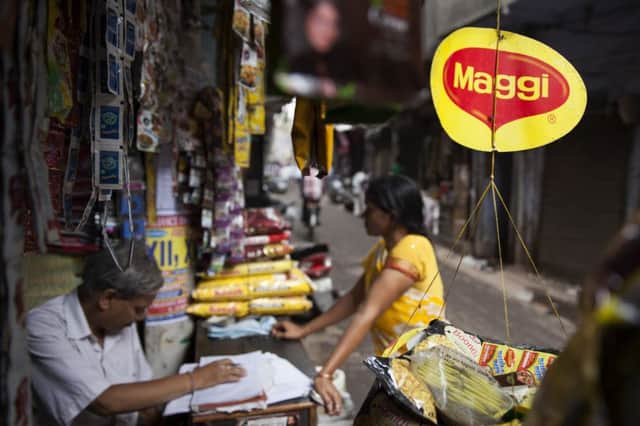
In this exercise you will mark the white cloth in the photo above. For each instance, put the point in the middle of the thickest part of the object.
(69, 367)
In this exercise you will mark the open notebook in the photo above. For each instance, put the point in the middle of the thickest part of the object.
(269, 380)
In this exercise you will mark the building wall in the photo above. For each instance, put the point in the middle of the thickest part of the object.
(583, 195)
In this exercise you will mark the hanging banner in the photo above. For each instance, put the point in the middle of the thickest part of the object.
(348, 50)
(540, 96)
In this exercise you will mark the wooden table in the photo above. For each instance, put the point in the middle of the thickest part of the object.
(297, 412)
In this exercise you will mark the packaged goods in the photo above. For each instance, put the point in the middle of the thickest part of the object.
(469, 380)
(502, 359)
(234, 309)
(223, 293)
(279, 306)
(268, 251)
(294, 287)
(463, 390)
(255, 268)
(295, 283)
(265, 221)
(413, 388)
(243, 279)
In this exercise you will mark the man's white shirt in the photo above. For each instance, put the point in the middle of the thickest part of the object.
(69, 367)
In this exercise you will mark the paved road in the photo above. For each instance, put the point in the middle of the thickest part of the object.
(471, 305)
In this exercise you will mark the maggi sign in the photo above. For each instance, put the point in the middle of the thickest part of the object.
(539, 96)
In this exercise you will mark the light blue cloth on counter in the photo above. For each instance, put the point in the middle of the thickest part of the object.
(260, 326)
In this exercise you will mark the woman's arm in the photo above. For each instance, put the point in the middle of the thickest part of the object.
(386, 289)
(343, 308)
(129, 397)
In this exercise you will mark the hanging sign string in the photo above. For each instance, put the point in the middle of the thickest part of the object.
(493, 165)
(533, 264)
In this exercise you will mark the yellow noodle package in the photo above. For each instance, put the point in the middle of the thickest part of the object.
(244, 280)
(222, 293)
(256, 268)
(233, 309)
(279, 305)
(469, 379)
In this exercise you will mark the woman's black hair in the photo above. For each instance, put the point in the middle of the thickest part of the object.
(399, 196)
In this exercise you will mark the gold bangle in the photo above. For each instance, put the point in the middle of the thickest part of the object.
(325, 375)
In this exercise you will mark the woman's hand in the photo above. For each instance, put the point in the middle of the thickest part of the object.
(330, 395)
(217, 373)
(287, 330)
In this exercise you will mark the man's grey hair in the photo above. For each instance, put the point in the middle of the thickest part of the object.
(142, 277)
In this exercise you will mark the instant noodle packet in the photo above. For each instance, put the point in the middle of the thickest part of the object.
(233, 309)
(469, 379)
(280, 305)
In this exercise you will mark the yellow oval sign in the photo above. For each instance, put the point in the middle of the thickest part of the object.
(539, 95)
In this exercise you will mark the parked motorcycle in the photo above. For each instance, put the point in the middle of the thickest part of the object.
(311, 197)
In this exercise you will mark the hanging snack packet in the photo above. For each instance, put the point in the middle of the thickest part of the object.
(248, 66)
(241, 21)
(58, 65)
(259, 32)
(147, 139)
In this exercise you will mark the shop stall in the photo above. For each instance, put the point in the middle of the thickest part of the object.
(137, 123)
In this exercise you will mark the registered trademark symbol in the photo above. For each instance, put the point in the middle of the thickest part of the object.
(551, 118)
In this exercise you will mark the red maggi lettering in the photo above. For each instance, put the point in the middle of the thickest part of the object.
(524, 85)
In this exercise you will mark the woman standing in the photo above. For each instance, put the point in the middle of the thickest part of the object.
(398, 271)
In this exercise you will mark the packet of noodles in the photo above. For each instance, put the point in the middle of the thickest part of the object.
(233, 309)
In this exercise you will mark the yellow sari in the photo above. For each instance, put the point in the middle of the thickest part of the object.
(414, 256)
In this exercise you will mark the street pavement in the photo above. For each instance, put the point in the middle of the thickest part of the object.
(475, 303)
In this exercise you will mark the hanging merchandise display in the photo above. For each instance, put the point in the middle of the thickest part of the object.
(312, 138)
(447, 373)
(22, 172)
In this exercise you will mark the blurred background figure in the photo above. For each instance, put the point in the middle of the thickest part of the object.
(311, 199)
(358, 186)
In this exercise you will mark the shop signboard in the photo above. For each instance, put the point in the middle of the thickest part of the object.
(538, 95)
(356, 50)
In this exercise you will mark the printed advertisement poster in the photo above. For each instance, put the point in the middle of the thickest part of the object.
(347, 50)
(167, 242)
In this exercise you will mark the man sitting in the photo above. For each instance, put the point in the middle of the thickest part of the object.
(88, 367)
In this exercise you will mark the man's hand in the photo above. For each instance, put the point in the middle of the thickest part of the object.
(330, 395)
(287, 330)
(216, 373)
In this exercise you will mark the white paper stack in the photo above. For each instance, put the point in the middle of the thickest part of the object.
(287, 381)
(269, 380)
